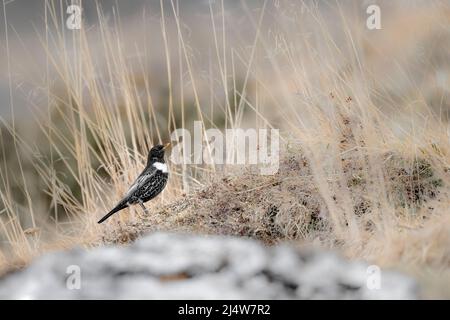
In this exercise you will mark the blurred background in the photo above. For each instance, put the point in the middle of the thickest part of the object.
(409, 53)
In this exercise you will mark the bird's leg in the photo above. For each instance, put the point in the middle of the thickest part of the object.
(141, 203)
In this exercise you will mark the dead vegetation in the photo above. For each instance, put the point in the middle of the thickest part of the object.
(289, 205)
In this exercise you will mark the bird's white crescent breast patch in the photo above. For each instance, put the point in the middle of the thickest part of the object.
(160, 166)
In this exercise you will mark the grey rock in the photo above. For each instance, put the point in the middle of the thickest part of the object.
(179, 266)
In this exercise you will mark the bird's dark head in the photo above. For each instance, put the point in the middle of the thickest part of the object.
(156, 154)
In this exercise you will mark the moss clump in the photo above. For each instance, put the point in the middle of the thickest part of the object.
(414, 183)
(290, 205)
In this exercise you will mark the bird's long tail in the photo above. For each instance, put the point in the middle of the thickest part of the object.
(122, 205)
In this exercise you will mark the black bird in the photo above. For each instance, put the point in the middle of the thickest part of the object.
(148, 185)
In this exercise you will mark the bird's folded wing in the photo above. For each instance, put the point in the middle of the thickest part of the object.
(140, 181)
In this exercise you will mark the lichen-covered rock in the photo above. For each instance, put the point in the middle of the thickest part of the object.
(177, 266)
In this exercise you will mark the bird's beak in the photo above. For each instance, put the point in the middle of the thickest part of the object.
(166, 146)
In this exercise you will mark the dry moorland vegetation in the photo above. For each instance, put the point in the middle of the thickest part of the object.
(363, 116)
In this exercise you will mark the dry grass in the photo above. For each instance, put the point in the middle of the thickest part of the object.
(364, 164)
